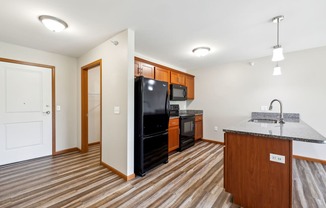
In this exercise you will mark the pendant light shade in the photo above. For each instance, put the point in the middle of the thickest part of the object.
(277, 70)
(52, 23)
(278, 54)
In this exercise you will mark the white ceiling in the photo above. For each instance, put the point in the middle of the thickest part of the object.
(168, 30)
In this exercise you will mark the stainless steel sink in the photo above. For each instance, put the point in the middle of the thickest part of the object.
(263, 120)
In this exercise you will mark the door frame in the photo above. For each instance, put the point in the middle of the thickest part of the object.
(52, 68)
(84, 105)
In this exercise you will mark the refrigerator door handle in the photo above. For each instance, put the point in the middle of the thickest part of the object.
(167, 105)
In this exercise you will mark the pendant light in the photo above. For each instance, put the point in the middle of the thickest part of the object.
(278, 50)
(277, 70)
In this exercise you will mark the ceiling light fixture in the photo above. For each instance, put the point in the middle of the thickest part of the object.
(278, 50)
(201, 51)
(277, 70)
(52, 23)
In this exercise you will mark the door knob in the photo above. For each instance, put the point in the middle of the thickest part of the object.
(47, 112)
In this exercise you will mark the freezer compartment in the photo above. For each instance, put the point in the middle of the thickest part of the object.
(155, 152)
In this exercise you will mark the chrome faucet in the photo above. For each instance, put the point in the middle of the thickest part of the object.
(281, 111)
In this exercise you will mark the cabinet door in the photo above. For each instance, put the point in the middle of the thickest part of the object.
(174, 78)
(182, 79)
(190, 83)
(162, 74)
(137, 69)
(178, 78)
(198, 127)
(147, 70)
(173, 134)
(173, 138)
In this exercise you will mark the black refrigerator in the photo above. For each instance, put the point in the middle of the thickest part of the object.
(151, 124)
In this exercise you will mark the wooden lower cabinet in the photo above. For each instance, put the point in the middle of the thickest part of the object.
(173, 134)
(198, 127)
(249, 175)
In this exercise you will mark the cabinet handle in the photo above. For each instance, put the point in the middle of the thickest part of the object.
(141, 71)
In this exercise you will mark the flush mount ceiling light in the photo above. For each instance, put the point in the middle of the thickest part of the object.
(278, 50)
(277, 70)
(201, 51)
(52, 23)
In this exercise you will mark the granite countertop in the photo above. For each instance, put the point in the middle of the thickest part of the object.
(296, 130)
(195, 112)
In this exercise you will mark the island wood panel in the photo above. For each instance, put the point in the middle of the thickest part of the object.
(252, 179)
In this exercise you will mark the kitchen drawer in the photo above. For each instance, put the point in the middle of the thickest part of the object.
(198, 117)
(174, 122)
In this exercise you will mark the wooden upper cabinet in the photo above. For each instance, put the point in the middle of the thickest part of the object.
(144, 69)
(190, 83)
(178, 78)
(162, 74)
(136, 70)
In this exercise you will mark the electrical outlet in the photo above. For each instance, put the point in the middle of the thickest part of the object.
(215, 128)
(277, 158)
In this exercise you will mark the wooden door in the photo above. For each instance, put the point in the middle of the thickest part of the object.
(25, 112)
(190, 83)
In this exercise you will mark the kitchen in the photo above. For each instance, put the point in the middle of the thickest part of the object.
(227, 92)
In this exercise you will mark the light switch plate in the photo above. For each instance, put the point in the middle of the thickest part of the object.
(116, 110)
(277, 158)
(58, 108)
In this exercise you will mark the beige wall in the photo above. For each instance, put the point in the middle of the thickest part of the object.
(229, 93)
(117, 90)
(66, 88)
(94, 105)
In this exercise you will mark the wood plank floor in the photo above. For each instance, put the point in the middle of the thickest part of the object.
(309, 184)
(192, 178)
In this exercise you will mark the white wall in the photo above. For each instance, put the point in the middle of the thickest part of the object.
(148, 58)
(117, 90)
(94, 105)
(66, 88)
(229, 93)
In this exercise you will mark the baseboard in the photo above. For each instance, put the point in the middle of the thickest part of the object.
(309, 159)
(94, 143)
(126, 178)
(74, 149)
(213, 141)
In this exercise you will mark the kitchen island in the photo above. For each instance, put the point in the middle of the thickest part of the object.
(258, 161)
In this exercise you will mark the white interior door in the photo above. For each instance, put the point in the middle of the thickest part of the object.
(25, 112)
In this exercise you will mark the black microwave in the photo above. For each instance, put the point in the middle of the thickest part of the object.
(178, 92)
